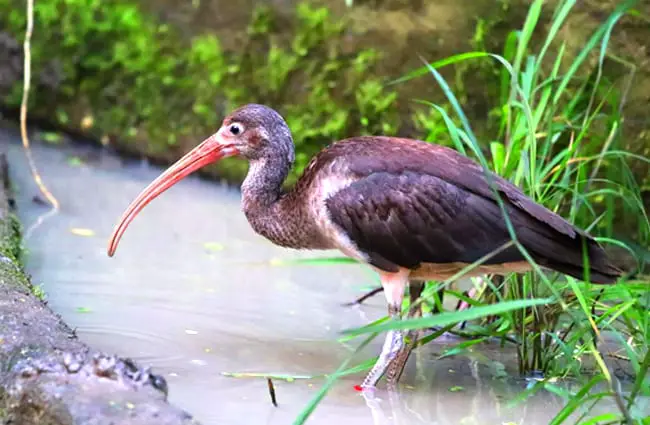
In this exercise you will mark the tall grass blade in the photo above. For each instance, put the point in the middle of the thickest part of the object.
(448, 318)
(419, 72)
(313, 403)
(620, 10)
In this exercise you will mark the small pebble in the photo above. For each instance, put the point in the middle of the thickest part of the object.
(28, 372)
(72, 362)
(38, 200)
(159, 383)
(104, 366)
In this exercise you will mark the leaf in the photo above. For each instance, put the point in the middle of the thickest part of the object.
(498, 156)
(331, 379)
(83, 310)
(75, 161)
(87, 122)
(276, 376)
(213, 246)
(314, 261)
(439, 64)
(82, 232)
(52, 138)
(444, 319)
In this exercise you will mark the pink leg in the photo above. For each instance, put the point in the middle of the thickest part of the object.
(397, 365)
(462, 305)
(394, 285)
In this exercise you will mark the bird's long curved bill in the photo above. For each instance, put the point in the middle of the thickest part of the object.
(209, 151)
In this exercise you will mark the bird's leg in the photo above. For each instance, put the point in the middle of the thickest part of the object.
(463, 305)
(364, 297)
(394, 285)
(470, 293)
(397, 365)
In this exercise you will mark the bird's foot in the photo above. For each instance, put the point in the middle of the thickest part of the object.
(396, 366)
(393, 344)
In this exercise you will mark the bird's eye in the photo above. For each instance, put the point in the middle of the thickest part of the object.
(236, 129)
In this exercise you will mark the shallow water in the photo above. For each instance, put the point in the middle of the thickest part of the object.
(195, 293)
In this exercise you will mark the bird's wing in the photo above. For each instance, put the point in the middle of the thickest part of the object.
(396, 155)
(409, 218)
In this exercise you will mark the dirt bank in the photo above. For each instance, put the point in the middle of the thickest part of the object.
(47, 375)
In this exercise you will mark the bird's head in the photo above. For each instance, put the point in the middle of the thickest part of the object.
(255, 132)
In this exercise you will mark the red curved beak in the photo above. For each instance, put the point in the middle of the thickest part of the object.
(209, 151)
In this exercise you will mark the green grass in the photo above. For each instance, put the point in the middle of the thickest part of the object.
(558, 126)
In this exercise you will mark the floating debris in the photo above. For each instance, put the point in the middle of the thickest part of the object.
(83, 310)
(272, 392)
(82, 232)
(51, 138)
(213, 246)
(288, 378)
(75, 161)
(38, 200)
(87, 122)
(191, 332)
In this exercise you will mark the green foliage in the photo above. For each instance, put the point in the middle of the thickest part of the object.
(142, 83)
(323, 93)
(560, 132)
(11, 245)
(558, 126)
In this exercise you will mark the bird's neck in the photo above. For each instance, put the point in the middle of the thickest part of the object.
(269, 211)
(262, 186)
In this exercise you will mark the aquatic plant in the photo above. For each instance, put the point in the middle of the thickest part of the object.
(558, 124)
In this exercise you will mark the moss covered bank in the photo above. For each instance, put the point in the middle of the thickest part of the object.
(47, 375)
(154, 77)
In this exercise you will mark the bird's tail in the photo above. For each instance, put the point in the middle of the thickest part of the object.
(601, 268)
(603, 275)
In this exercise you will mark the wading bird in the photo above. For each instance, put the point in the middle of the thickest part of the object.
(412, 210)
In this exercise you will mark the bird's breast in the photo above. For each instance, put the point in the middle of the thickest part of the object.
(323, 187)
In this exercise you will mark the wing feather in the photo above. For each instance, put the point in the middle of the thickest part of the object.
(411, 218)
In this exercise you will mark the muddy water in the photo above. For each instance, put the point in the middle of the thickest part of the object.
(195, 293)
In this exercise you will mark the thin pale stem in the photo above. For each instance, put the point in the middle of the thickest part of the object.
(23, 106)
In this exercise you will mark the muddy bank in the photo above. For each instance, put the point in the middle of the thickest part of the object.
(47, 375)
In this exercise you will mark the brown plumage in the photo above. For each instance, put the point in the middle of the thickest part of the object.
(413, 203)
(412, 210)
